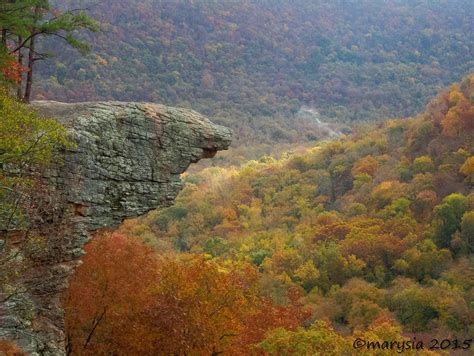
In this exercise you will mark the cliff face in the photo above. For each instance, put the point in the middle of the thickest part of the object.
(127, 160)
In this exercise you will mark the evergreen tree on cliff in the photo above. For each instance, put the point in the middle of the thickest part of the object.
(22, 23)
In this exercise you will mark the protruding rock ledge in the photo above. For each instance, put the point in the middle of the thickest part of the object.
(129, 155)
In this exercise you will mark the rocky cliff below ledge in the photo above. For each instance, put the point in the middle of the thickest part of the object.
(127, 160)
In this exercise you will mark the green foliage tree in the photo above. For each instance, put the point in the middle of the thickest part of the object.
(29, 144)
(467, 231)
(448, 217)
(414, 307)
(422, 164)
(423, 261)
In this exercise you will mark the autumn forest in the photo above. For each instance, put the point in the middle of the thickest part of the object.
(343, 210)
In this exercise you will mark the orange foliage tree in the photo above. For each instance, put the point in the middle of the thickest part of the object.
(106, 294)
(10, 69)
(126, 298)
(460, 117)
(8, 348)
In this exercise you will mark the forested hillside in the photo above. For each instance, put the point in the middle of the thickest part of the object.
(253, 64)
(370, 236)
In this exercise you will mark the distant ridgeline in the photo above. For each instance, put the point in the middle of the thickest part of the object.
(243, 61)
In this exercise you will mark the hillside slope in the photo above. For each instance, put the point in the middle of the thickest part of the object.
(380, 223)
(252, 64)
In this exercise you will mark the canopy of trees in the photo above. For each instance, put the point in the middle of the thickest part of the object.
(180, 305)
(370, 235)
(253, 64)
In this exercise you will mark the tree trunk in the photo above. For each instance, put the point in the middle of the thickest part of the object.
(4, 38)
(31, 57)
(20, 63)
(29, 75)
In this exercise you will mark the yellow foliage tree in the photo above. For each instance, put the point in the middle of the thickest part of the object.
(468, 169)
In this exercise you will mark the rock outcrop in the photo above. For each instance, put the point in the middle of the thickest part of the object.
(126, 161)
